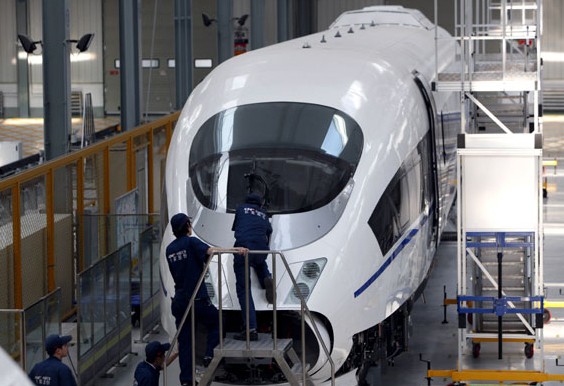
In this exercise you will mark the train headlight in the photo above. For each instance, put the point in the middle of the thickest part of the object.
(303, 289)
(306, 280)
(311, 269)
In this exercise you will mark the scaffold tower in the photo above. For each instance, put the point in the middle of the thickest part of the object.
(499, 179)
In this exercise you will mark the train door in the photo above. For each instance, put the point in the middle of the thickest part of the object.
(429, 154)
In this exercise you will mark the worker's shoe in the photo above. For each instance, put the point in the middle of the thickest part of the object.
(207, 361)
(269, 287)
(253, 336)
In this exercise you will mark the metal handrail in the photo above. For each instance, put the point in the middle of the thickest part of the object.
(175, 338)
(303, 310)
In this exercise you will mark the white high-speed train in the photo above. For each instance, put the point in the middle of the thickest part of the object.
(355, 157)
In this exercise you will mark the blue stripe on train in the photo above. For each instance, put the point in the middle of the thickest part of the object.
(391, 258)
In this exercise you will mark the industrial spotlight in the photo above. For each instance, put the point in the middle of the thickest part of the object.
(207, 20)
(83, 43)
(241, 20)
(28, 45)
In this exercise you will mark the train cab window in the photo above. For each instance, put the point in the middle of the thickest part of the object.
(300, 156)
(401, 203)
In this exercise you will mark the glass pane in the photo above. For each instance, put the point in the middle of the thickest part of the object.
(90, 231)
(53, 312)
(85, 312)
(111, 294)
(124, 283)
(145, 262)
(142, 178)
(34, 319)
(10, 330)
(98, 311)
(156, 249)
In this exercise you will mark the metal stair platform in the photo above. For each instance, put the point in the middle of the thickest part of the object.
(263, 347)
(280, 350)
(494, 79)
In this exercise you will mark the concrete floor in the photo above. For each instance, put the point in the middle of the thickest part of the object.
(30, 131)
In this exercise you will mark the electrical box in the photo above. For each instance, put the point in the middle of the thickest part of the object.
(10, 152)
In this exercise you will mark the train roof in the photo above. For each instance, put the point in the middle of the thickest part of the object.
(383, 15)
(349, 68)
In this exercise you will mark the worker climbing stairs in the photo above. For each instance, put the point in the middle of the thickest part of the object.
(264, 348)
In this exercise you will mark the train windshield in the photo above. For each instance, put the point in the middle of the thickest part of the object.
(298, 156)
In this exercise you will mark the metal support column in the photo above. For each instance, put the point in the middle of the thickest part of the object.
(183, 50)
(224, 30)
(282, 20)
(23, 65)
(56, 77)
(257, 24)
(130, 80)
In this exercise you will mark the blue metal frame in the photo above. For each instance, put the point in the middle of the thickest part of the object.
(499, 306)
(500, 240)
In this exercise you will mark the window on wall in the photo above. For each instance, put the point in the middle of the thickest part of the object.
(407, 195)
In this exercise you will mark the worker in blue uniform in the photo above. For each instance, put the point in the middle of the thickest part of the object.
(186, 257)
(147, 372)
(252, 230)
(52, 371)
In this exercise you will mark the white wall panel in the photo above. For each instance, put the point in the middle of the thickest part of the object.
(8, 72)
(86, 68)
(35, 9)
(552, 38)
(86, 17)
(270, 22)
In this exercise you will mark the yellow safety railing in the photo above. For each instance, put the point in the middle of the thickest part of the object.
(60, 190)
(496, 375)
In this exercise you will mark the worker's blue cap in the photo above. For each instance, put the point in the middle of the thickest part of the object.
(53, 342)
(178, 221)
(155, 348)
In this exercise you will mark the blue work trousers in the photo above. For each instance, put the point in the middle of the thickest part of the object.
(258, 262)
(207, 314)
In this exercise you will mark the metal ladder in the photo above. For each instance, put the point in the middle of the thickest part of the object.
(498, 70)
(498, 75)
(515, 270)
(503, 275)
(267, 346)
(500, 81)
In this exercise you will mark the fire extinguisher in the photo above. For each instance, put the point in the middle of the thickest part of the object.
(240, 35)
(240, 40)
